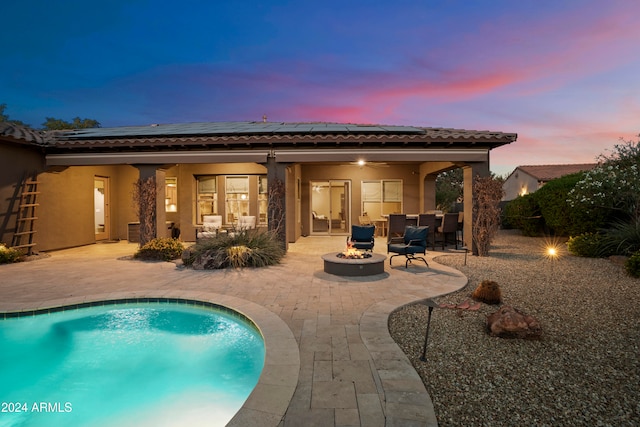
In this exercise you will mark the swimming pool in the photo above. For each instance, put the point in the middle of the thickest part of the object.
(156, 364)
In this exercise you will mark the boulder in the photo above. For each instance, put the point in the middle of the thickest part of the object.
(509, 322)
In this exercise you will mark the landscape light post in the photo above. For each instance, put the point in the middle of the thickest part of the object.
(431, 304)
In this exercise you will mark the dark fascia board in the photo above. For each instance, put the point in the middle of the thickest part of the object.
(260, 156)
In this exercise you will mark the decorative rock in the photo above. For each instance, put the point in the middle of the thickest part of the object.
(509, 322)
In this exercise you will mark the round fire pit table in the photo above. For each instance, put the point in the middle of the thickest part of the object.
(353, 266)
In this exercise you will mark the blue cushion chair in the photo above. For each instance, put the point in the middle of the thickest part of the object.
(413, 242)
(362, 237)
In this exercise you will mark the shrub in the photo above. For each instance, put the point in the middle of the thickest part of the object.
(623, 238)
(160, 248)
(632, 265)
(523, 213)
(250, 248)
(488, 292)
(558, 215)
(8, 255)
(585, 245)
(486, 212)
(612, 186)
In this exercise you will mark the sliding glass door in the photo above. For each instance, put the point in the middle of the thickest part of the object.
(330, 207)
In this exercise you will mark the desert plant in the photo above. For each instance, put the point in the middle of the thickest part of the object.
(238, 256)
(623, 238)
(632, 265)
(8, 255)
(488, 292)
(160, 248)
(486, 212)
(585, 245)
(248, 248)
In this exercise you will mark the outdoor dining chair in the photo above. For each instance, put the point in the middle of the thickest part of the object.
(397, 223)
(449, 227)
(429, 220)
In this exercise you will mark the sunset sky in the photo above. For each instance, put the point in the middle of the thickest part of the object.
(564, 75)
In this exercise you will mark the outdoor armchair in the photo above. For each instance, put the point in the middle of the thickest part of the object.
(246, 222)
(413, 242)
(362, 237)
(211, 225)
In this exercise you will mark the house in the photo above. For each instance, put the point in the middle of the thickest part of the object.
(289, 174)
(528, 179)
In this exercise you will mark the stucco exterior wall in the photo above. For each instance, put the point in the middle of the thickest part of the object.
(409, 173)
(15, 161)
(67, 205)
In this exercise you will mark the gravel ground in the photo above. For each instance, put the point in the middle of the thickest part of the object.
(584, 371)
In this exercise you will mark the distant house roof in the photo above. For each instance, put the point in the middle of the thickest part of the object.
(546, 173)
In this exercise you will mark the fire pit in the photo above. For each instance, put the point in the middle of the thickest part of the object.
(353, 253)
(353, 262)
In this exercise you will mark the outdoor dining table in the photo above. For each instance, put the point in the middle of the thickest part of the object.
(381, 226)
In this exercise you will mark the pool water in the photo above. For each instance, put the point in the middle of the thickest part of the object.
(154, 364)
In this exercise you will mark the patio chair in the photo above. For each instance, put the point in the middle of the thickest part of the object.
(396, 225)
(460, 233)
(362, 237)
(211, 225)
(449, 227)
(364, 220)
(414, 241)
(246, 222)
(429, 220)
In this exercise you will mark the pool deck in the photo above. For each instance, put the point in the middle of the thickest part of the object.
(330, 359)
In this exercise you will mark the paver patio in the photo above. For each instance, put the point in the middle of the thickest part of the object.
(330, 359)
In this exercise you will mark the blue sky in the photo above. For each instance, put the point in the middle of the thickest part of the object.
(564, 75)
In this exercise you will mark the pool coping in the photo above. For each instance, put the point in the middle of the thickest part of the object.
(269, 400)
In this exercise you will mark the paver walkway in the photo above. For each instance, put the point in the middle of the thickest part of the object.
(351, 373)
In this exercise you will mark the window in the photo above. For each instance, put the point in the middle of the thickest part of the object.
(262, 199)
(237, 197)
(171, 194)
(381, 197)
(207, 197)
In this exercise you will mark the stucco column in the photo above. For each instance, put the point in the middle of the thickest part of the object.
(158, 226)
(277, 201)
(470, 172)
(428, 192)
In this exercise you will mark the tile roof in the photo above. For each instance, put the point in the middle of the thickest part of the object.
(546, 173)
(229, 135)
(270, 134)
(21, 134)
